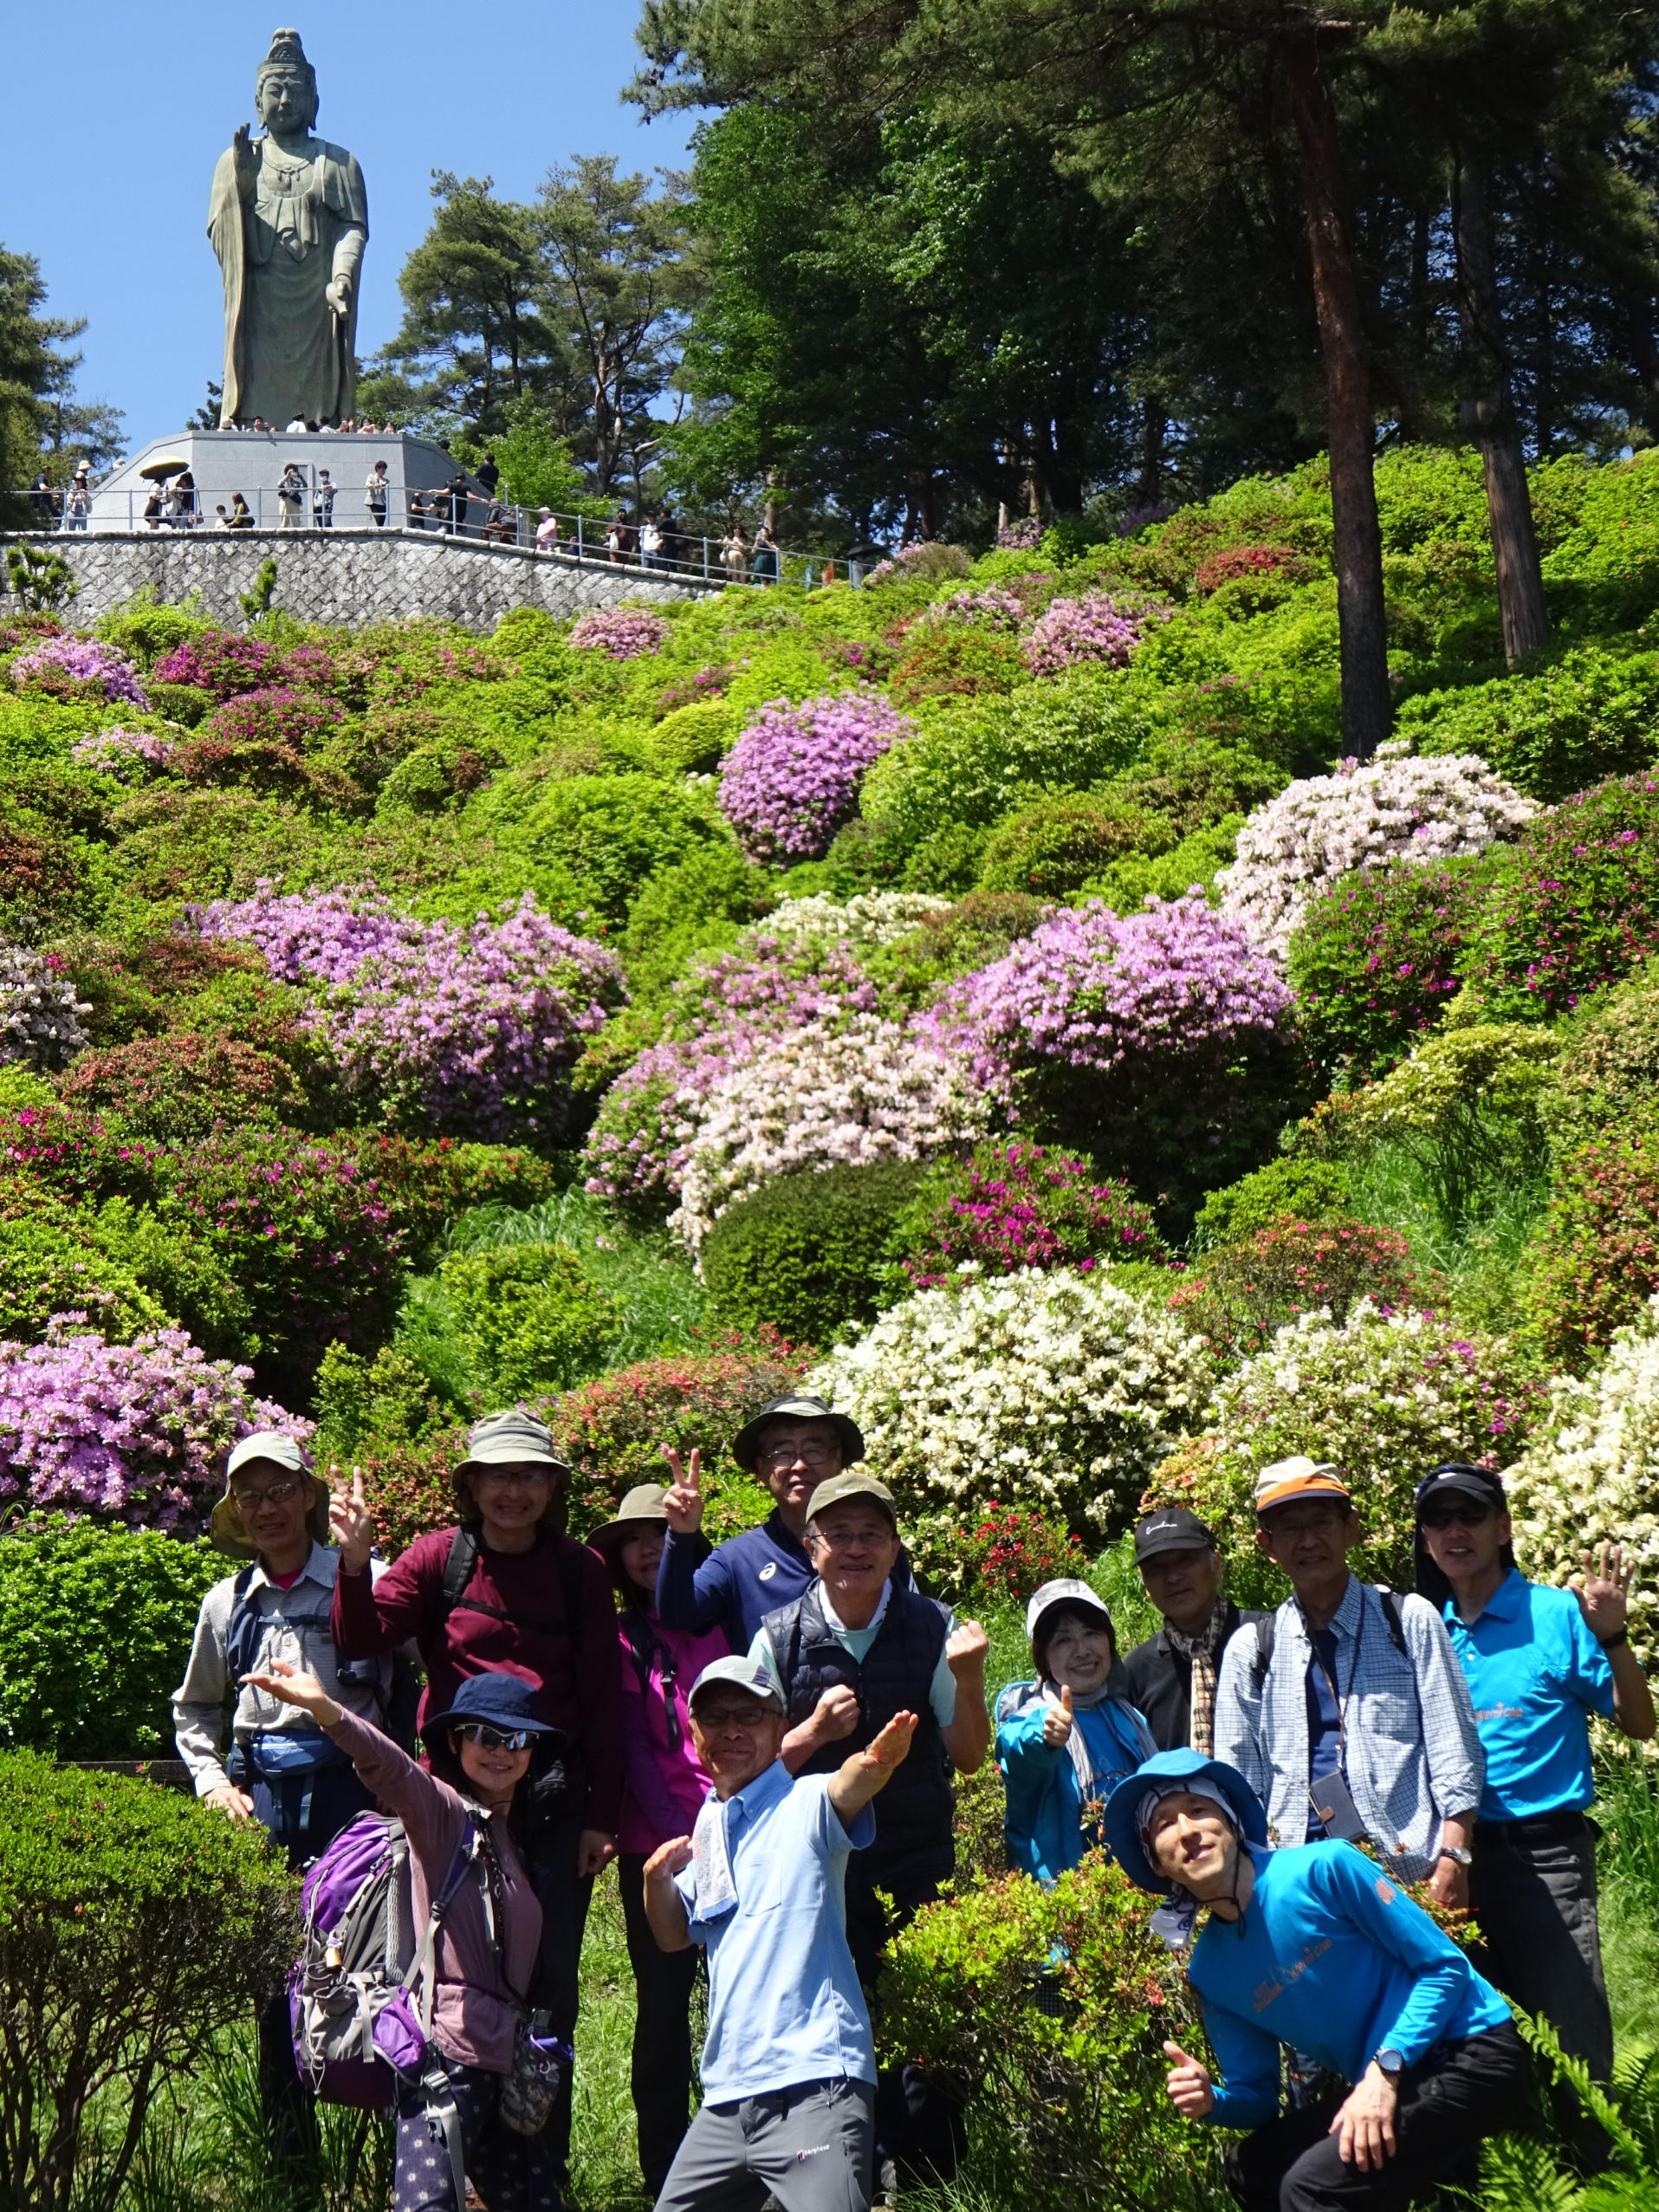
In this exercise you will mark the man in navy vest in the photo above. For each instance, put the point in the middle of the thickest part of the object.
(858, 1648)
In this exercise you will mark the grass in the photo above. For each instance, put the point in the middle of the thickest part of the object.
(1478, 1251)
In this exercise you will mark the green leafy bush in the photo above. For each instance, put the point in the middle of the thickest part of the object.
(912, 970)
(1377, 959)
(135, 1925)
(53, 1262)
(1068, 2091)
(940, 663)
(95, 1626)
(698, 905)
(1607, 1074)
(808, 1252)
(438, 777)
(1307, 1190)
(1054, 847)
(690, 739)
(1239, 1293)
(177, 1087)
(426, 1181)
(527, 1318)
(1594, 1259)
(1590, 715)
(605, 832)
(1130, 884)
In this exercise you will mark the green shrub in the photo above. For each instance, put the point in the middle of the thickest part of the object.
(185, 704)
(21, 1087)
(1590, 715)
(1593, 1262)
(53, 1262)
(691, 739)
(1607, 1074)
(1068, 2093)
(940, 662)
(438, 777)
(95, 1627)
(1377, 959)
(1307, 1190)
(146, 627)
(175, 1089)
(606, 833)
(697, 905)
(1195, 783)
(808, 1252)
(1054, 847)
(135, 1925)
(428, 1181)
(1127, 884)
(912, 970)
(527, 1318)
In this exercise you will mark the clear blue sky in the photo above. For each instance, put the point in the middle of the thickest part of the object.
(116, 113)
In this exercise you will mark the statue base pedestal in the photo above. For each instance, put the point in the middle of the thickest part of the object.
(252, 462)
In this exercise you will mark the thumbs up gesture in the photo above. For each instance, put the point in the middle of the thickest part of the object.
(1058, 1722)
(683, 1502)
(1192, 2091)
(350, 1522)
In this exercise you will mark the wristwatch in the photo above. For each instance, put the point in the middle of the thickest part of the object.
(1391, 2064)
(1611, 1643)
(1456, 1853)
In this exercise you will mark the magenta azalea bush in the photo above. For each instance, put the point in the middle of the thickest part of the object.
(1095, 627)
(82, 660)
(131, 1433)
(130, 755)
(220, 661)
(620, 632)
(792, 779)
(1016, 1205)
(466, 1032)
(275, 715)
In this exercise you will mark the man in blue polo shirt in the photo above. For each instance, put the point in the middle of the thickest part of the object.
(1538, 1662)
(1312, 1948)
(788, 2062)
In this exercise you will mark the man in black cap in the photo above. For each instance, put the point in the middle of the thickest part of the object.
(1539, 1662)
(1172, 1676)
(791, 1445)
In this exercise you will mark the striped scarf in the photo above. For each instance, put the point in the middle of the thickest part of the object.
(1204, 1651)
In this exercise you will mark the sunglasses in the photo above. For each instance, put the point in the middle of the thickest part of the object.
(489, 1739)
(1455, 1516)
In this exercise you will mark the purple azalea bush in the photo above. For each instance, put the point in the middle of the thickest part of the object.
(620, 632)
(792, 779)
(130, 755)
(466, 1032)
(131, 1433)
(1095, 627)
(82, 660)
(220, 661)
(275, 714)
(1015, 1204)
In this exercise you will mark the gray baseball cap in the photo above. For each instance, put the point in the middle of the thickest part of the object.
(739, 1672)
(1067, 1591)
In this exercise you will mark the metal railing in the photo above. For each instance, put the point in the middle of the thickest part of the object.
(311, 506)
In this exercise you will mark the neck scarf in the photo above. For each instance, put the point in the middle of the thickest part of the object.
(1204, 1651)
(714, 1883)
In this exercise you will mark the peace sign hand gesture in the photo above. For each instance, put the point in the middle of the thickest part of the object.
(683, 1502)
(1603, 1595)
(350, 1522)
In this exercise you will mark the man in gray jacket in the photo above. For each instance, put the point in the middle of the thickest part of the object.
(1347, 1712)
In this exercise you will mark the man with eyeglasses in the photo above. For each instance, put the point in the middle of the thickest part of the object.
(279, 1768)
(1346, 1711)
(1538, 1662)
(791, 1445)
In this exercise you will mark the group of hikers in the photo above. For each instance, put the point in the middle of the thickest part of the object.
(763, 1733)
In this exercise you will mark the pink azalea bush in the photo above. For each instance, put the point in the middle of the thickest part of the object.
(469, 1032)
(792, 779)
(1095, 627)
(275, 715)
(220, 661)
(619, 633)
(81, 660)
(1362, 817)
(131, 1433)
(1015, 1204)
(988, 604)
(130, 755)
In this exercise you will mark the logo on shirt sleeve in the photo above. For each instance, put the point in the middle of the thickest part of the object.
(1385, 1890)
(768, 1571)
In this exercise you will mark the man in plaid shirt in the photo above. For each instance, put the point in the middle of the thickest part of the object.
(1351, 1717)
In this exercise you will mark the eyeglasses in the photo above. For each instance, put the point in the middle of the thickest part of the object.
(489, 1739)
(278, 1494)
(786, 1454)
(843, 1539)
(1455, 1516)
(497, 1478)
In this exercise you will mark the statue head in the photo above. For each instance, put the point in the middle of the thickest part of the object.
(285, 91)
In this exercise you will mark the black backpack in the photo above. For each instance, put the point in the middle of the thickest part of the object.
(398, 1699)
(1262, 1659)
(458, 1571)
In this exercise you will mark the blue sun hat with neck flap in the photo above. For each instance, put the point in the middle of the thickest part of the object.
(1168, 1774)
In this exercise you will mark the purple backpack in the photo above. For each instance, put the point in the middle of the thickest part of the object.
(360, 1992)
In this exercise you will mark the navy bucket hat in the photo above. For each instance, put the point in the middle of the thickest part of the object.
(1165, 1773)
(500, 1701)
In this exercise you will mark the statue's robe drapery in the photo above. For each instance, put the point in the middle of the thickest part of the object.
(286, 351)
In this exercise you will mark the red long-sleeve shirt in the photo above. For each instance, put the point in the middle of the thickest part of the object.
(579, 1677)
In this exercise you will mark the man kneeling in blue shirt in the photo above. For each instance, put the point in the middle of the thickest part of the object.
(1315, 1948)
(788, 2061)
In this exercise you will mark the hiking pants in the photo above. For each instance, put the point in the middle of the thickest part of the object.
(565, 1896)
(809, 2146)
(663, 1983)
(1461, 2092)
(511, 2173)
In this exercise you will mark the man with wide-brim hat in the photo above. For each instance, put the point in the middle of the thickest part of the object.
(1312, 1948)
(791, 1444)
(1346, 1710)
(508, 1589)
(279, 1767)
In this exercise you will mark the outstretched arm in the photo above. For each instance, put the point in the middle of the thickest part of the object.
(867, 1771)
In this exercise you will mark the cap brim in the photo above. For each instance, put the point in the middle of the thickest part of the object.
(506, 1456)
(746, 1444)
(227, 1532)
(1120, 1822)
(609, 1533)
(1303, 1487)
(434, 1722)
(1464, 1486)
(1185, 1541)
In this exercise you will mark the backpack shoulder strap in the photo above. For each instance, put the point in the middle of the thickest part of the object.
(1266, 1630)
(458, 1568)
(241, 1629)
(1390, 1601)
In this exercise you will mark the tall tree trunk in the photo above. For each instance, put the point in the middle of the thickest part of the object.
(1367, 706)
(1155, 426)
(1489, 414)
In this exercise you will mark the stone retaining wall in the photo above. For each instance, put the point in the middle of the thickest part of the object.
(345, 576)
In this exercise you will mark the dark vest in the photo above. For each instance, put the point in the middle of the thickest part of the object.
(916, 1812)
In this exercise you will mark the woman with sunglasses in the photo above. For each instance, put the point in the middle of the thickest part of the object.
(1539, 1662)
(667, 1784)
(479, 1754)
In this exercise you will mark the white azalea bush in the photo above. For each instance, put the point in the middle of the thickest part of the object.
(1591, 1476)
(1386, 1395)
(873, 917)
(1054, 1391)
(829, 1092)
(1391, 809)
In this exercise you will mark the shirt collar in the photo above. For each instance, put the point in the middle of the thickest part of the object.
(834, 1619)
(782, 1535)
(1505, 1603)
(1346, 1620)
(763, 1791)
(321, 1566)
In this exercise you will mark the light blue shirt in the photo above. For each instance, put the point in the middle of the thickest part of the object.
(1332, 1958)
(784, 2001)
(1536, 1674)
(855, 1642)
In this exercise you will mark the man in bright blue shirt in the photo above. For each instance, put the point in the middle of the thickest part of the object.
(1314, 1948)
(1539, 1662)
(788, 2062)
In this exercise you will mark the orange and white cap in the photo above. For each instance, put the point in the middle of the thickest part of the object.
(1299, 1477)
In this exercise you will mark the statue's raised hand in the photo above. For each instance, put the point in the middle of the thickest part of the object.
(247, 161)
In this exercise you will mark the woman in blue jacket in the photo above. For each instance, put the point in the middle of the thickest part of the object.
(1063, 1739)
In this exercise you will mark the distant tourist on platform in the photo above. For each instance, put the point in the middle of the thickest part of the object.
(486, 473)
(290, 497)
(734, 555)
(763, 557)
(498, 527)
(77, 503)
(420, 516)
(299, 423)
(182, 504)
(547, 532)
(43, 499)
(224, 522)
(153, 507)
(377, 494)
(242, 517)
(260, 423)
(322, 502)
(457, 498)
(618, 536)
(650, 543)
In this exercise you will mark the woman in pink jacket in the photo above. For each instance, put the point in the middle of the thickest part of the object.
(665, 1787)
